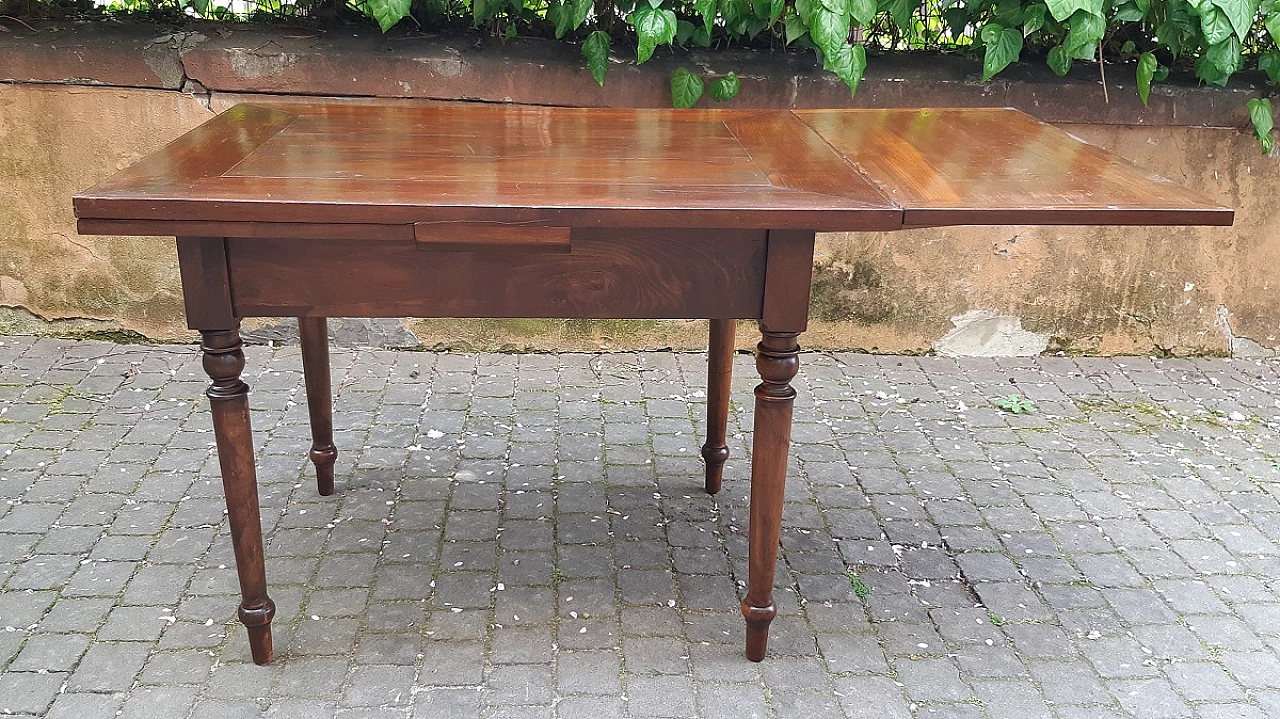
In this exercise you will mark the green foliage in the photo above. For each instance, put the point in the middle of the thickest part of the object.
(859, 587)
(1015, 403)
(1147, 66)
(386, 12)
(596, 48)
(1003, 46)
(1211, 39)
(654, 26)
(1260, 114)
(686, 88)
(726, 88)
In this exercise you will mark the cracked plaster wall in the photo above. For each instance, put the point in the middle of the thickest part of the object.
(1089, 290)
(55, 141)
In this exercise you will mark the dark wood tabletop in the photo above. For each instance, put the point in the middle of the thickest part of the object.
(470, 210)
(843, 170)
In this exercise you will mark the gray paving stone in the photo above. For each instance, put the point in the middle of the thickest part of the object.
(158, 702)
(1203, 682)
(452, 664)
(28, 692)
(379, 686)
(932, 680)
(109, 666)
(78, 706)
(519, 684)
(1153, 698)
(1115, 573)
(871, 698)
(589, 708)
(660, 696)
(588, 672)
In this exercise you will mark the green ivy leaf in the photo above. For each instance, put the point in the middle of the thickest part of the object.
(1260, 114)
(1240, 13)
(1147, 66)
(684, 31)
(1272, 23)
(707, 9)
(1059, 60)
(596, 48)
(1215, 26)
(839, 7)
(775, 10)
(726, 88)
(387, 12)
(735, 14)
(1220, 62)
(900, 11)
(560, 16)
(863, 11)
(1063, 9)
(957, 20)
(1003, 47)
(1270, 64)
(686, 88)
(581, 8)
(1085, 34)
(1033, 19)
(1008, 13)
(654, 26)
(804, 8)
(830, 31)
(1128, 12)
(794, 27)
(848, 62)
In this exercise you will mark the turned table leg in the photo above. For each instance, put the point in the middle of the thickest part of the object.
(229, 401)
(719, 377)
(314, 334)
(777, 360)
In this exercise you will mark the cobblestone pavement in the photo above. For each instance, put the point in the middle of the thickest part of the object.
(525, 536)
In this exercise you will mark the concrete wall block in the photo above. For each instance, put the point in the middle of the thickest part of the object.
(119, 95)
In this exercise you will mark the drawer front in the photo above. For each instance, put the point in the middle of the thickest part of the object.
(607, 273)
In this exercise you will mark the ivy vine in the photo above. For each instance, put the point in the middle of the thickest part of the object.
(1213, 39)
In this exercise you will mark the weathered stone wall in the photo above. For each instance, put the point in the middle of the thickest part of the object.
(78, 104)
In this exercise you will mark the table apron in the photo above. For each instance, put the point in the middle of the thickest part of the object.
(608, 273)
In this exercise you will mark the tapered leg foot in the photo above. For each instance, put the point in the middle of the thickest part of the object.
(719, 378)
(777, 360)
(229, 401)
(758, 620)
(314, 333)
(258, 621)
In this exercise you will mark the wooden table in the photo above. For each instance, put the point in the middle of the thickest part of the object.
(470, 210)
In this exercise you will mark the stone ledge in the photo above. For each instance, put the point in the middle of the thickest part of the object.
(241, 59)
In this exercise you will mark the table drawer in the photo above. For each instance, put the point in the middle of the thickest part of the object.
(603, 273)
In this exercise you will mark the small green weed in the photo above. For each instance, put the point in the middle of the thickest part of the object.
(558, 576)
(1015, 403)
(996, 619)
(859, 588)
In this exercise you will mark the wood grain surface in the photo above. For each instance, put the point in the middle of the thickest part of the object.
(999, 166)
(621, 274)
(295, 164)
